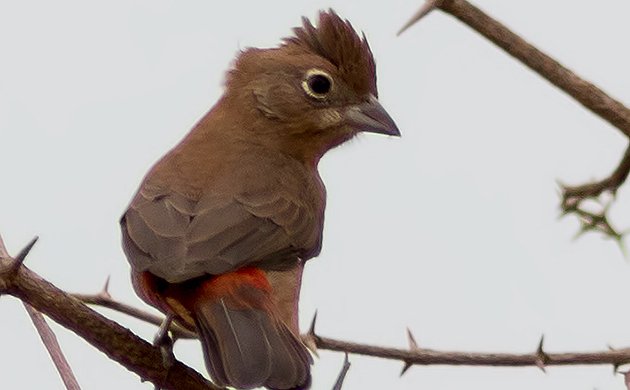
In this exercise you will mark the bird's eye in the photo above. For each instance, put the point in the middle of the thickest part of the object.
(317, 83)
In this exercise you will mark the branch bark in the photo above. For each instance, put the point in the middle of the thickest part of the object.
(425, 357)
(611, 183)
(146, 360)
(589, 95)
(414, 355)
(117, 342)
(54, 350)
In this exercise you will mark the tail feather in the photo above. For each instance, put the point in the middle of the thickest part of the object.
(288, 372)
(246, 345)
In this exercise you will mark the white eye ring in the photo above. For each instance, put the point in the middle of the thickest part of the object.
(317, 83)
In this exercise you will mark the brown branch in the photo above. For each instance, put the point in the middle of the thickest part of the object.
(116, 342)
(573, 195)
(589, 95)
(104, 299)
(423, 356)
(52, 346)
(342, 374)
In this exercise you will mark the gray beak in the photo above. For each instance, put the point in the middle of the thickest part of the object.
(371, 117)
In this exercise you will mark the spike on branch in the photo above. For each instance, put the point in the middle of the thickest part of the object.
(413, 346)
(426, 8)
(310, 338)
(21, 256)
(4, 254)
(541, 356)
(105, 290)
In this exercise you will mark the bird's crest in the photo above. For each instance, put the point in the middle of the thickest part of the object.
(336, 40)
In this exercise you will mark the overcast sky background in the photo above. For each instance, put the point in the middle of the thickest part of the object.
(452, 230)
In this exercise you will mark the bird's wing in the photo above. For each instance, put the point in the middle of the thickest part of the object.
(177, 238)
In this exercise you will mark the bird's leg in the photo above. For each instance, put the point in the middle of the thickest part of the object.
(163, 340)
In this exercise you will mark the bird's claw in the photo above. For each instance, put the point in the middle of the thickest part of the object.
(164, 341)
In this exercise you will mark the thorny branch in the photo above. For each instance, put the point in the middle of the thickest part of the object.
(118, 343)
(145, 360)
(572, 196)
(342, 374)
(415, 355)
(586, 93)
(104, 299)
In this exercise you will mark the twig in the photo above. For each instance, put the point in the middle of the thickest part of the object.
(572, 198)
(54, 350)
(589, 95)
(342, 375)
(144, 359)
(118, 343)
(105, 300)
(572, 195)
(424, 356)
(586, 93)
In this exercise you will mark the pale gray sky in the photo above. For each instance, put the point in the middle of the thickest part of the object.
(451, 230)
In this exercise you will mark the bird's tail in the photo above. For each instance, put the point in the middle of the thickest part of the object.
(245, 343)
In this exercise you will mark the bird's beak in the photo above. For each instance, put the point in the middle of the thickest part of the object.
(371, 117)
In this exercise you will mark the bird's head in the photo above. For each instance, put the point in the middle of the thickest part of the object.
(315, 91)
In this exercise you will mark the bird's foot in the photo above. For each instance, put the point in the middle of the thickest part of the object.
(163, 340)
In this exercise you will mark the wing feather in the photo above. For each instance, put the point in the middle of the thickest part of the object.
(177, 238)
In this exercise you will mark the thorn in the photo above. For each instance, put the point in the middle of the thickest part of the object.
(19, 259)
(3, 250)
(622, 245)
(310, 338)
(427, 7)
(561, 186)
(541, 356)
(105, 290)
(311, 329)
(615, 366)
(613, 193)
(578, 234)
(406, 367)
(413, 345)
(586, 225)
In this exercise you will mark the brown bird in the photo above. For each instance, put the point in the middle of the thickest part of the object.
(220, 229)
